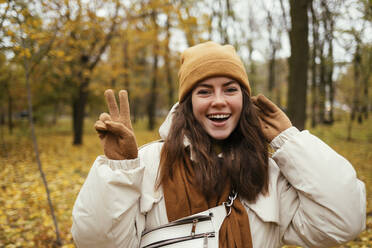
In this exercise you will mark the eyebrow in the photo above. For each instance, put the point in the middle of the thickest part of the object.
(225, 84)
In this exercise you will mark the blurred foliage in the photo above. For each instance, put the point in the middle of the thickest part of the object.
(75, 47)
(79, 47)
(24, 214)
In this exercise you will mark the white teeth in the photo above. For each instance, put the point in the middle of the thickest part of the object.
(219, 116)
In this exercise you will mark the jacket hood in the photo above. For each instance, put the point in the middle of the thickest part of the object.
(165, 127)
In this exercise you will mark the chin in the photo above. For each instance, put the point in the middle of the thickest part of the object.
(219, 137)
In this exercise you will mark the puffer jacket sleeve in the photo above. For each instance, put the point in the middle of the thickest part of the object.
(322, 203)
(107, 212)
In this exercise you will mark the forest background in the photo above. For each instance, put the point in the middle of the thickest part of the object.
(313, 58)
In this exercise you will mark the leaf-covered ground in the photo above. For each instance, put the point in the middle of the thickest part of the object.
(25, 219)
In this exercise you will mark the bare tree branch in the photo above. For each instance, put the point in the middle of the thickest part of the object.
(26, 65)
(284, 14)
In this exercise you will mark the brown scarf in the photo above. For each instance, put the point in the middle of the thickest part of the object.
(182, 198)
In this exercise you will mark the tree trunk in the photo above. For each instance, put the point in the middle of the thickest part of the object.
(3, 150)
(330, 80)
(222, 29)
(314, 71)
(126, 64)
(153, 95)
(365, 107)
(356, 88)
(252, 65)
(298, 63)
(367, 65)
(78, 109)
(126, 67)
(271, 78)
(356, 101)
(329, 28)
(10, 113)
(168, 66)
(151, 108)
(314, 95)
(271, 65)
(322, 85)
(2, 117)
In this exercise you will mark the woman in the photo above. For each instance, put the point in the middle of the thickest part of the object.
(215, 145)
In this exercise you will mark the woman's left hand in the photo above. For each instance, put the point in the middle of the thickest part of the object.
(272, 119)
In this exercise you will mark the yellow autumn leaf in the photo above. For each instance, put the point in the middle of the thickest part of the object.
(60, 53)
(10, 33)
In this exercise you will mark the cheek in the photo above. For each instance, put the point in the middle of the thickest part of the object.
(241, 107)
(238, 104)
(198, 112)
(198, 104)
(196, 107)
(193, 104)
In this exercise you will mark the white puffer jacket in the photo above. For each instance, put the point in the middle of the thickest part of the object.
(315, 198)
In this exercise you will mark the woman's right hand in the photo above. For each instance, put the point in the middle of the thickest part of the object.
(115, 129)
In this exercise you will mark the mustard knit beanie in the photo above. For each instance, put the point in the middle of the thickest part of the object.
(207, 60)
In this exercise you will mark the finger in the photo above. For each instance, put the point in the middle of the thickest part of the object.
(261, 109)
(259, 113)
(124, 108)
(111, 104)
(263, 118)
(104, 117)
(100, 126)
(267, 122)
(257, 109)
(117, 128)
(266, 104)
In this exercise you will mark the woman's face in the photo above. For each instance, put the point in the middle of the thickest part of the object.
(217, 104)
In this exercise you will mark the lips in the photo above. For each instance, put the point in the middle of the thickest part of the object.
(218, 117)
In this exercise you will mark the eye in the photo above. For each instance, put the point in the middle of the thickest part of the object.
(231, 89)
(203, 92)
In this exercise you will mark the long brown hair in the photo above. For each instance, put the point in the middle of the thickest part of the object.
(245, 153)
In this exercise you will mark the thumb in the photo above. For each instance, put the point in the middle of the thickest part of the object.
(100, 126)
(116, 128)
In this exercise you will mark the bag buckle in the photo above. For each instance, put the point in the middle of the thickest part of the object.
(230, 201)
(193, 228)
(205, 241)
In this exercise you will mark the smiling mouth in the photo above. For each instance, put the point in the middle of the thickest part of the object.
(218, 117)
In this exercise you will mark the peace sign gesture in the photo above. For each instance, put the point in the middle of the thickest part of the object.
(115, 129)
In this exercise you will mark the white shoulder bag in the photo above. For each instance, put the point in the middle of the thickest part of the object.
(198, 231)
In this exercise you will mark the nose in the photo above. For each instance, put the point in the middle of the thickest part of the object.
(219, 100)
